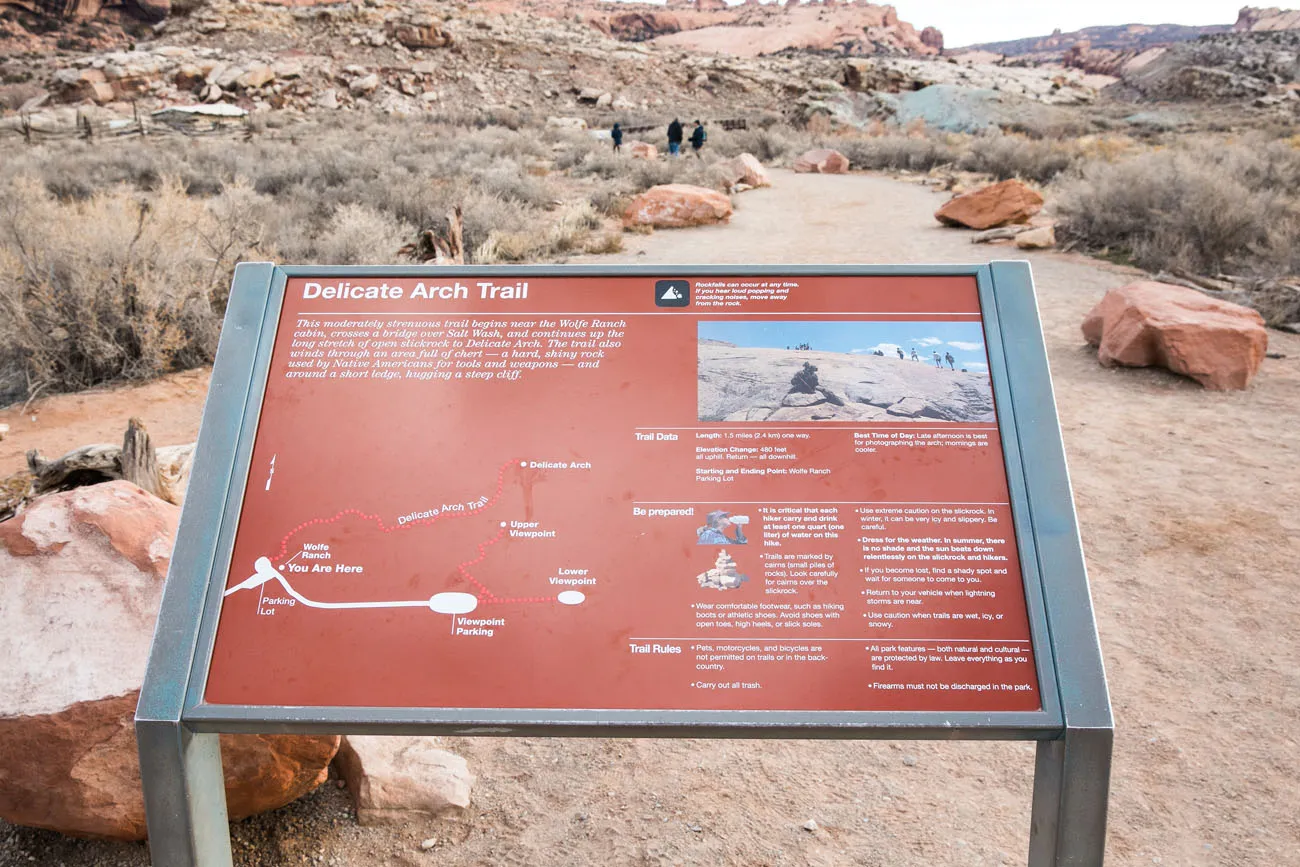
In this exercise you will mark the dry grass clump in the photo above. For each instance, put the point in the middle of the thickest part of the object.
(769, 144)
(1015, 156)
(360, 235)
(1205, 207)
(567, 233)
(116, 286)
(115, 257)
(894, 152)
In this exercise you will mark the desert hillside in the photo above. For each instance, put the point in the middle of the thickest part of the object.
(754, 384)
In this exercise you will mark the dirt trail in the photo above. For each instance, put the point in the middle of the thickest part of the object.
(1190, 508)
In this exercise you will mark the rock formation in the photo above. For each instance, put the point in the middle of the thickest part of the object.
(1147, 324)
(1253, 18)
(640, 26)
(496, 58)
(394, 779)
(999, 204)
(81, 576)
(1042, 238)
(822, 161)
(724, 575)
(641, 150)
(759, 29)
(675, 206)
(753, 384)
(744, 169)
(1231, 66)
(1116, 38)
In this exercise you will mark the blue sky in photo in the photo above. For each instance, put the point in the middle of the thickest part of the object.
(965, 340)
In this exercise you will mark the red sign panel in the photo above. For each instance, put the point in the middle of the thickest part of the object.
(723, 493)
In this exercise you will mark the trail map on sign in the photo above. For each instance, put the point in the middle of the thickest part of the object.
(747, 493)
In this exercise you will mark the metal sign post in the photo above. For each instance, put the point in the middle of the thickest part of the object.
(795, 502)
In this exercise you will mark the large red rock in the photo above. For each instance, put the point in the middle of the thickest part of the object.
(744, 169)
(933, 37)
(81, 576)
(675, 206)
(1218, 344)
(823, 161)
(1000, 204)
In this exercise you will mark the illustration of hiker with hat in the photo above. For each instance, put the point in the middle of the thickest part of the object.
(714, 531)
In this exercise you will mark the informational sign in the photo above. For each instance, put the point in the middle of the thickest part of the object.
(816, 501)
(745, 493)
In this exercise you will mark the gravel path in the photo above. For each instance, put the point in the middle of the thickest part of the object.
(1190, 507)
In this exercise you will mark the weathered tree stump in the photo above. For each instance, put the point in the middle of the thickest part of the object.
(139, 463)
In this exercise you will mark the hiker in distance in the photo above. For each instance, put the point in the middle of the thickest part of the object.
(698, 138)
(675, 138)
(952, 362)
(616, 135)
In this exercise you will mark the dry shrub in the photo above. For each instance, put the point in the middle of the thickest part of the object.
(916, 153)
(1206, 207)
(115, 287)
(611, 201)
(601, 164)
(1015, 156)
(359, 235)
(771, 144)
(605, 244)
(566, 233)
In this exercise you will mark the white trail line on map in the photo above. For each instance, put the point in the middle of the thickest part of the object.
(452, 603)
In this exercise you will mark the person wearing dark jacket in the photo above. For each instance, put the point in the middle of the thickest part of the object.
(675, 137)
(616, 134)
(698, 137)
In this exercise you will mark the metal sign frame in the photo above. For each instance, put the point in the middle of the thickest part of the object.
(177, 732)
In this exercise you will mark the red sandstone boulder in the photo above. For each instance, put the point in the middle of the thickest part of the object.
(744, 169)
(823, 161)
(675, 206)
(81, 575)
(932, 37)
(1218, 344)
(998, 205)
(642, 150)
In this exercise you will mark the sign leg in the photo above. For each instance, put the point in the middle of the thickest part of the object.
(184, 796)
(1071, 793)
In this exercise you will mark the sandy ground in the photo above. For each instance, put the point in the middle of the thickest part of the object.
(1190, 508)
(169, 407)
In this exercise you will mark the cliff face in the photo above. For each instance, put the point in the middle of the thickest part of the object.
(1255, 19)
(144, 10)
(1121, 38)
(1228, 66)
(854, 29)
(712, 26)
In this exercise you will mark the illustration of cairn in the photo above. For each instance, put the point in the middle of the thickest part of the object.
(805, 389)
(723, 575)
